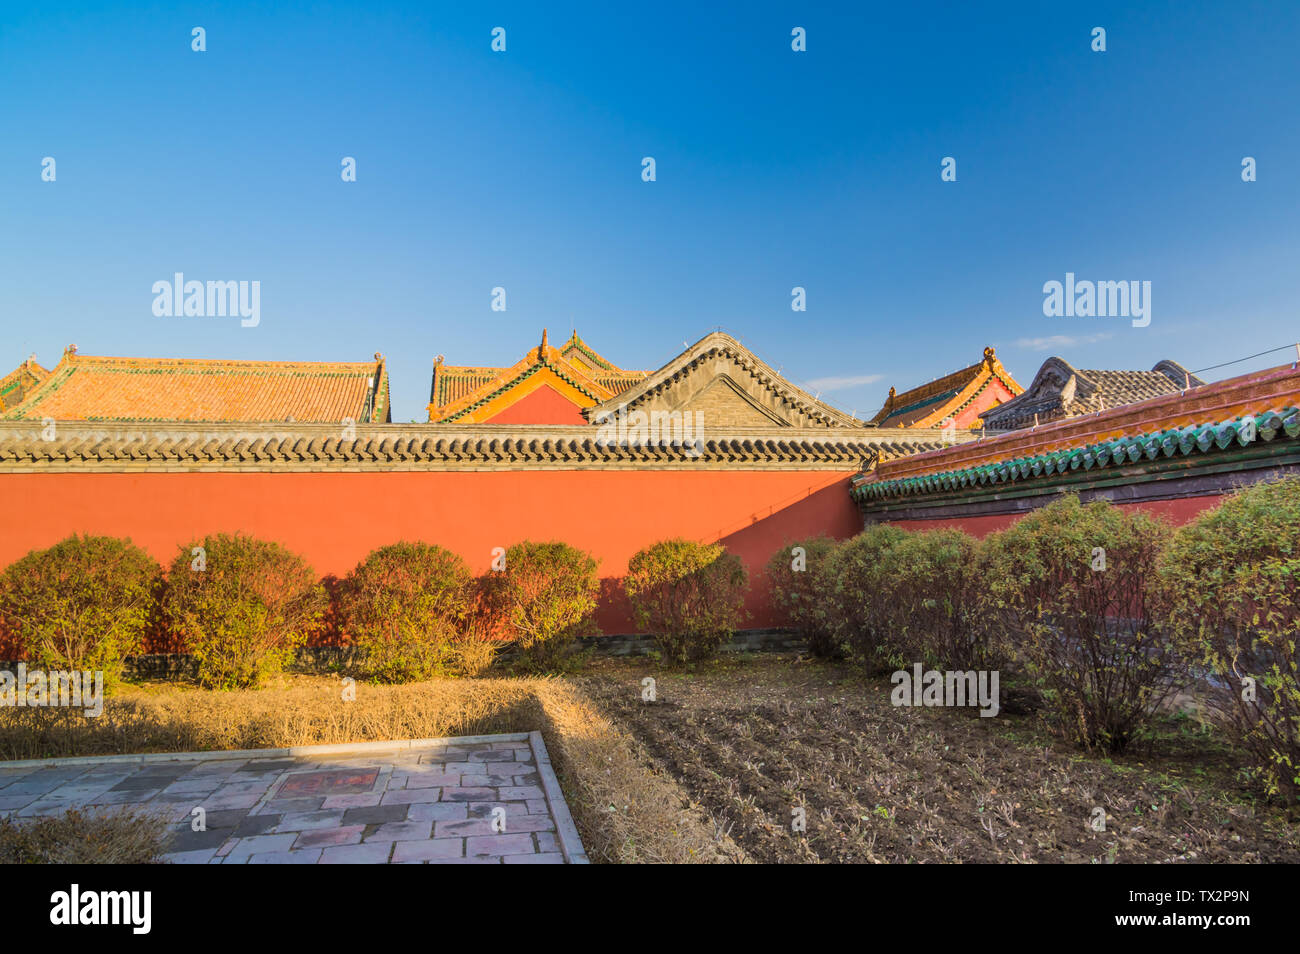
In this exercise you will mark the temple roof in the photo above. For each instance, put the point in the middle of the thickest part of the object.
(930, 404)
(728, 385)
(1259, 406)
(1061, 390)
(18, 383)
(95, 388)
(470, 394)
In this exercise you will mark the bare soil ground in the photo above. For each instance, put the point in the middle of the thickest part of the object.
(752, 739)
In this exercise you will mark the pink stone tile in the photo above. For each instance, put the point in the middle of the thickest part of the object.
(436, 849)
(521, 792)
(402, 831)
(462, 829)
(438, 811)
(467, 794)
(368, 800)
(547, 842)
(427, 780)
(517, 822)
(507, 844)
(410, 796)
(373, 853)
(325, 837)
(489, 781)
(309, 857)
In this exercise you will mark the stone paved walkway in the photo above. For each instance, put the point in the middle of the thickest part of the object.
(478, 800)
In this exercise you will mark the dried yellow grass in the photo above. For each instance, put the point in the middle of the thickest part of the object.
(121, 837)
(625, 811)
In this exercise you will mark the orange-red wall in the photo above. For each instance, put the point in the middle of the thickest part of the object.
(543, 406)
(335, 519)
(1176, 511)
(994, 394)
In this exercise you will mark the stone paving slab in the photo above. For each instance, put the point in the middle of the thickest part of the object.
(467, 800)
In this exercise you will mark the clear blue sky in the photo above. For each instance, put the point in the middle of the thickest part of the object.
(522, 169)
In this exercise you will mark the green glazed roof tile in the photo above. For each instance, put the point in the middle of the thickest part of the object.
(1202, 438)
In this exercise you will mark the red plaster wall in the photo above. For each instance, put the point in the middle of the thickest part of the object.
(543, 406)
(1178, 511)
(994, 394)
(336, 519)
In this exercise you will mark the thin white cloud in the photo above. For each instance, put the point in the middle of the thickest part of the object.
(839, 384)
(1054, 342)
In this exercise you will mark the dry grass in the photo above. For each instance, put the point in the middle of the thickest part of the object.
(125, 837)
(625, 811)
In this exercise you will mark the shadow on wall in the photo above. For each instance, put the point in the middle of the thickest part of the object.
(825, 511)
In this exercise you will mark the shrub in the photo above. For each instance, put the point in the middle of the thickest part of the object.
(802, 592)
(691, 596)
(1233, 582)
(1088, 637)
(243, 606)
(85, 603)
(935, 601)
(122, 837)
(858, 592)
(481, 637)
(405, 607)
(545, 598)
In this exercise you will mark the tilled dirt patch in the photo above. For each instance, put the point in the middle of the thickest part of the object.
(754, 742)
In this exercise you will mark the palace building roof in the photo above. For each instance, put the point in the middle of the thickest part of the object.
(95, 388)
(18, 383)
(727, 385)
(548, 385)
(962, 397)
(1060, 390)
(1255, 415)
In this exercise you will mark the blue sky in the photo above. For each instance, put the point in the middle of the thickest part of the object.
(775, 169)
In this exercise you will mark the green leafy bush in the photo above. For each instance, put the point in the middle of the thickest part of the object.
(243, 606)
(858, 588)
(405, 606)
(85, 603)
(1090, 638)
(1233, 582)
(690, 595)
(802, 591)
(545, 598)
(934, 595)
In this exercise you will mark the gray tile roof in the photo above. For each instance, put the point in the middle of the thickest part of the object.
(1060, 390)
(116, 447)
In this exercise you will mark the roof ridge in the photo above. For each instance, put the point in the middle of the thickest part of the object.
(207, 389)
(98, 359)
(722, 343)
